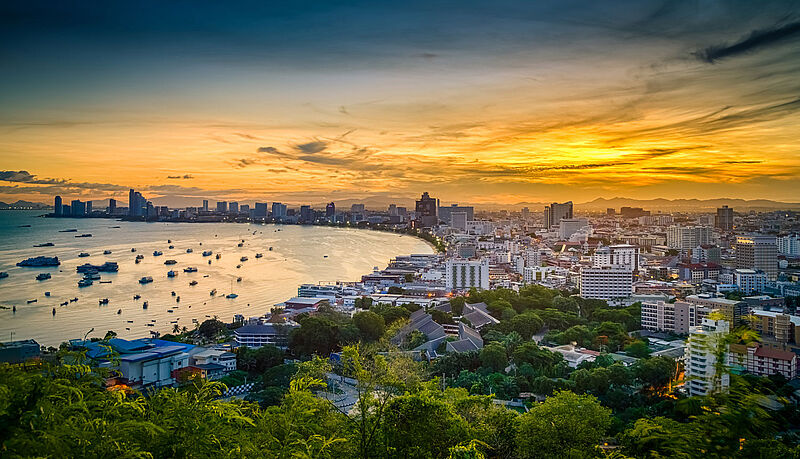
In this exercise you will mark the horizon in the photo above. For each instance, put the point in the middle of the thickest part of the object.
(491, 105)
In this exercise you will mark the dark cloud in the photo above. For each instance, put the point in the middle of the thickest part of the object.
(57, 184)
(26, 177)
(184, 177)
(315, 146)
(743, 162)
(756, 40)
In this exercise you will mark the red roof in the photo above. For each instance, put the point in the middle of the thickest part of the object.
(775, 354)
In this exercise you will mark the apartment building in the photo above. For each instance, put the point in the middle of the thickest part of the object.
(700, 358)
(606, 283)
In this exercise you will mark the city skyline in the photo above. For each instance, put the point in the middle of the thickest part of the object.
(502, 104)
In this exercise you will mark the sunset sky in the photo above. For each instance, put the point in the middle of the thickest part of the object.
(480, 102)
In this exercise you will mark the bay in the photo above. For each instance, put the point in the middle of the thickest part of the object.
(298, 256)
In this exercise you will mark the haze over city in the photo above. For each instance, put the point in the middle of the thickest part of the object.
(488, 104)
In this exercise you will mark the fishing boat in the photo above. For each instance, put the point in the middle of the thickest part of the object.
(171, 262)
(133, 250)
(32, 301)
(92, 275)
(178, 299)
(157, 253)
(46, 293)
(241, 244)
(3, 274)
(84, 235)
(213, 292)
(138, 260)
(145, 280)
(107, 267)
(139, 257)
(54, 311)
(189, 250)
(144, 305)
(209, 261)
(104, 301)
(106, 252)
(65, 303)
(207, 253)
(137, 296)
(119, 311)
(85, 282)
(169, 241)
(43, 276)
(238, 266)
(171, 247)
(71, 230)
(193, 283)
(83, 254)
(238, 279)
(105, 282)
(218, 256)
(173, 293)
(231, 295)
(259, 255)
(243, 259)
(72, 300)
(46, 244)
(172, 273)
(170, 310)
(38, 262)
(270, 249)
(190, 269)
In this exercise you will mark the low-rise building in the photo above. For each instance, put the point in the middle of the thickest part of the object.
(762, 361)
(257, 335)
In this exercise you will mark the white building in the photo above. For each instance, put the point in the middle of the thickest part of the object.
(459, 220)
(789, 245)
(750, 280)
(606, 283)
(617, 255)
(465, 274)
(676, 317)
(700, 358)
(537, 273)
(257, 335)
(569, 226)
(687, 237)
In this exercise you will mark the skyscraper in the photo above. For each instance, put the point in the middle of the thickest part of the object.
(57, 206)
(260, 210)
(233, 207)
(330, 210)
(88, 207)
(222, 206)
(555, 212)
(278, 210)
(112, 205)
(758, 253)
(724, 220)
(205, 205)
(427, 211)
(131, 202)
(306, 214)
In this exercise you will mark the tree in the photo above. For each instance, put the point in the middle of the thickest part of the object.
(564, 424)
(258, 360)
(496, 307)
(419, 426)
(390, 313)
(526, 324)
(494, 356)
(638, 349)
(540, 359)
(457, 305)
(316, 335)
(441, 317)
(210, 328)
(655, 372)
(370, 325)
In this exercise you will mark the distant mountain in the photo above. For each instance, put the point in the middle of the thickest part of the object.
(668, 205)
(24, 205)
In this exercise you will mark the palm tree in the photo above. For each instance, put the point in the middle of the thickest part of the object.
(176, 329)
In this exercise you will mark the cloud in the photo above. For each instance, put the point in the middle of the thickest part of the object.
(756, 40)
(26, 177)
(315, 146)
(57, 185)
(185, 177)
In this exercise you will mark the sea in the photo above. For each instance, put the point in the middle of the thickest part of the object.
(298, 255)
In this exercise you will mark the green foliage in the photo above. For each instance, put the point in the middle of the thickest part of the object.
(390, 313)
(494, 356)
(638, 349)
(441, 317)
(370, 325)
(457, 305)
(258, 360)
(417, 426)
(210, 328)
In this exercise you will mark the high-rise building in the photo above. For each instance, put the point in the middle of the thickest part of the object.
(306, 214)
(58, 207)
(750, 281)
(78, 208)
(789, 244)
(205, 205)
(676, 317)
(758, 253)
(617, 255)
(465, 274)
(733, 311)
(633, 212)
(724, 220)
(88, 207)
(261, 210)
(245, 209)
(526, 213)
(278, 210)
(555, 212)
(569, 226)
(137, 204)
(112, 206)
(700, 357)
(222, 207)
(445, 212)
(687, 237)
(393, 210)
(427, 210)
(131, 203)
(233, 207)
(606, 283)
(458, 220)
(330, 210)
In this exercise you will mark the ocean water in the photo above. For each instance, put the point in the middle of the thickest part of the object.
(298, 256)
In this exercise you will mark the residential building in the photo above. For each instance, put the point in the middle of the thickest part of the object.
(698, 272)
(687, 237)
(427, 209)
(222, 207)
(257, 335)
(205, 205)
(749, 280)
(707, 253)
(446, 213)
(19, 351)
(733, 310)
(606, 283)
(724, 220)
(762, 361)
(78, 208)
(233, 207)
(759, 253)
(676, 317)
(789, 245)
(279, 210)
(569, 226)
(330, 210)
(776, 328)
(261, 210)
(58, 207)
(617, 255)
(555, 212)
(463, 274)
(700, 357)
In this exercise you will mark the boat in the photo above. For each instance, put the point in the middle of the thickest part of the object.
(71, 230)
(54, 311)
(324, 256)
(193, 283)
(32, 301)
(113, 227)
(39, 261)
(169, 241)
(241, 244)
(105, 282)
(119, 311)
(189, 250)
(23, 226)
(243, 259)
(270, 249)
(209, 261)
(84, 235)
(139, 257)
(150, 325)
(106, 252)
(3, 274)
(178, 299)
(259, 255)
(138, 260)
(171, 247)
(46, 244)
(218, 256)
(171, 262)
(104, 301)
(92, 275)
(14, 308)
(207, 253)
(238, 266)
(170, 310)
(83, 255)
(173, 293)
(46, 293)
(206, 275)
(127, 328)
(190, 269)
(231, 295)
(172, 273)
(157, 253)
(137, 296)
(43, 276)
(133, 250)
(130, 321)
(107, 267)
(144, 305)
(65, 303)
(72, 300)
(213, 292)
(145, 280)
(238, 279)
(85, 282)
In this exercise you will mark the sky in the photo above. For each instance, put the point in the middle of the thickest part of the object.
(499, 102)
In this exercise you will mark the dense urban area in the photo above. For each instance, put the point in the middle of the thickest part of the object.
(529, 333)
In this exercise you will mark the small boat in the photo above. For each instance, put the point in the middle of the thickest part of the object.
(324, 256)
(178, 299)
(130, 321)
(106, 252)
(133, 250)
(83, 254)
(73, 300)
(138, 260)
(169, 241)
(85, 282)
(190, 269)
(241, 244)
(243, 259)
(172, 273)
(54, 311)
(65, 303)
(93, 276)
(46, 293)
(127, 328)
(46, 244)
(150, 325)
(189, 250)
(207, 253)
(194, 282)
(139, 257)
(206, 275)
(231, 295)
(105, 282)
(259, 255)
(170, 262)
(171, 247)
(145, 280)
(113, 227)
(238, 279)
(213, 292)
(119, 311)
(270, 249)
(104, 301)
(209, 261)
(43, 276)
(71, 230)
(32, 301)
(3, 274)
(84, 235)
(238, 266)
(144, 305)
(170, 310)
(157, 253)
(173, 293)
(218, 256)
(137, 296)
